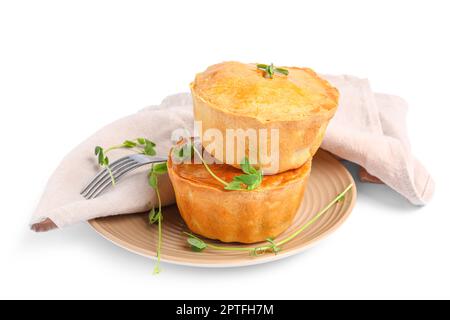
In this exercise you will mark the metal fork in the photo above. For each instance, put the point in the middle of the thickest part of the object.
(118, 168)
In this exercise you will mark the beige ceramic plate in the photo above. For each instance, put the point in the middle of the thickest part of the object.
(328, 178)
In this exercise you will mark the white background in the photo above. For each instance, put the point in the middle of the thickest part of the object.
(69, 67)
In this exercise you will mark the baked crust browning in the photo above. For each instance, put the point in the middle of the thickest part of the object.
(233, 95)
(236, 216)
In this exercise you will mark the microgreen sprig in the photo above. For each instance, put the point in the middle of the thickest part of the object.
(155, 215)
(198, 244)
(251, 179)
(270, 70)
(145, 147)
(103, 161)
(140, 145)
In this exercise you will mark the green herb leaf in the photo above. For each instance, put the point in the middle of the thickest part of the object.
(129, 144)
(149, 146)
(234, 185)
(101, 159)
(98, 150)
(149, 150)
(270, 70)
(153, 215)
(248, 179)
(152, 179)
(160, 168)
(197, 245)
(256, 184)
(252, 178)
(179, 153)
(150, 143)
(246, 167)
(184, 151)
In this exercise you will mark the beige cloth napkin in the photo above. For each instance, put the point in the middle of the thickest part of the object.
(368, 129)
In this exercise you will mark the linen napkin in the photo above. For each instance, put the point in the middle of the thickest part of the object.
(368, 129)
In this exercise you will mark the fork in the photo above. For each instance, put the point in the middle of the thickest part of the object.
(118, 169)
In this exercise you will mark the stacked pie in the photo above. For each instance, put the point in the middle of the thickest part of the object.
(275, 117)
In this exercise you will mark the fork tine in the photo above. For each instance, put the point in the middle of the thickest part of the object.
(107, 177)
(104, 173)
(108, 182)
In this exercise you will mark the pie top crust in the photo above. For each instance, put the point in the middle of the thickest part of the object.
(242, 89)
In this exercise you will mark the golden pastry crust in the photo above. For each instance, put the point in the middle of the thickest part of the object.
(236, 216)
(242, 89)
(233, 95)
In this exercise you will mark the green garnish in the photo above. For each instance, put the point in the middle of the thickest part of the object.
(251, 179)
(140, 145)
(275, 249)
(184, 151)
(145, 147)
(155, 215)
(103, 161)
(270, 70)
(198, 244)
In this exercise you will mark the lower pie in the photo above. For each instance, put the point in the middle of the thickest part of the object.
(236, 216)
